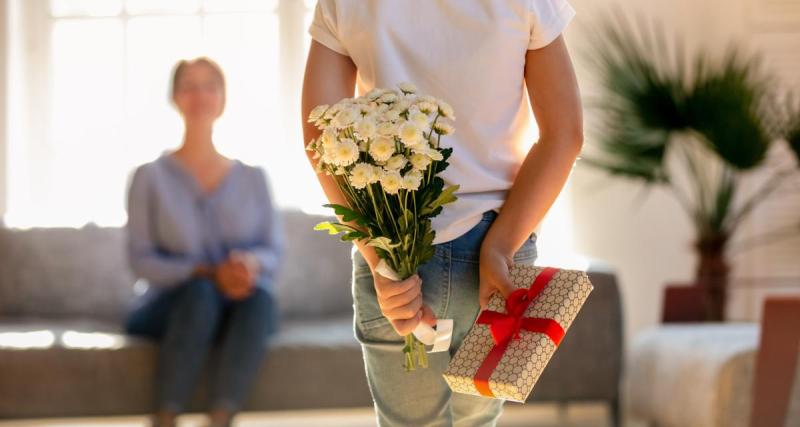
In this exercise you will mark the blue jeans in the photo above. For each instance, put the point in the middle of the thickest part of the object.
(188, 321)
(450, 281)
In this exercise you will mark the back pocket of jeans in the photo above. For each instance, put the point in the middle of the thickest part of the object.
(528, 252)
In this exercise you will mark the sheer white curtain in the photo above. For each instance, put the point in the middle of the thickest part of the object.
(88, 82)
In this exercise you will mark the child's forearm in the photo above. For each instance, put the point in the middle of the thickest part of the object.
(329, 77)
(536, 187)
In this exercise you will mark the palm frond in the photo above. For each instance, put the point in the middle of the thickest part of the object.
(727, 105)
(791, 128)
(641, 105)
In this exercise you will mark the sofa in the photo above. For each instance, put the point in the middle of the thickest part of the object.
(65, 292)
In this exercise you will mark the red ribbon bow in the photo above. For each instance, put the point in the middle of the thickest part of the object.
(506, 327)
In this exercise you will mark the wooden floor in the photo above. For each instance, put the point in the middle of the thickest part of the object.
(544, 415)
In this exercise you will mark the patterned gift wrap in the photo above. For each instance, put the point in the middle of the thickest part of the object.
(512, 341)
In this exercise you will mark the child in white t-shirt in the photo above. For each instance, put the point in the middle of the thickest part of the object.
(479, 56)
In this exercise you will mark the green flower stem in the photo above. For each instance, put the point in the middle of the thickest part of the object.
(391, 218)
(415, 355)
(375, 206)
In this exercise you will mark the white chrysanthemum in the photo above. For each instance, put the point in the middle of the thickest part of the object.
(344, 153)
(410, 134)
(392, 115)
(420, 120)
(407, 87)
(426, 150)
(446, 110)
(373, 116)
(328, 138)
(330, 112)
(327, 157)
(401, 106)
(313, 146)
(375, 174)
(317, 112)
(427, 107)
(396, 162)
(361, 174)
(374, 94)
(410, 99)
(382, 148)
(391, 181)
(366, 128)
(361, 111)
(419, 161)
(387, 129)
(412, 180)
(345, 117)
(443, 128)
(388, 97)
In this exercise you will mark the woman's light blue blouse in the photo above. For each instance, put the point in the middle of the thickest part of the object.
(174, 225)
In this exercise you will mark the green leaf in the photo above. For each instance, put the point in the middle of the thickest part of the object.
(406, 220)
(382, 243)
(348, 214)
(441, 165)
(354, 235)
(446, 196)
(334, 228)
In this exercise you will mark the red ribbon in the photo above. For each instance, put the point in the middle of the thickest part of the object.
(505, 327)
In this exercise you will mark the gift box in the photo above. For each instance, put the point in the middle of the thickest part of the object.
(512, 341)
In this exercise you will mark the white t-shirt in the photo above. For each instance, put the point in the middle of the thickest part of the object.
(470, 53)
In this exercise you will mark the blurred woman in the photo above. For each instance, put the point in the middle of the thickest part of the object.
(203, 232)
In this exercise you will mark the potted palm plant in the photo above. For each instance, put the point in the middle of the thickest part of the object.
(696, 127)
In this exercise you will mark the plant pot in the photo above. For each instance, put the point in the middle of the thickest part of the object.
(712, 276)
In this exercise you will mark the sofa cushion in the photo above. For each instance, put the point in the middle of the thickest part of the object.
(85, 367)
(57, 272)
(315, 280)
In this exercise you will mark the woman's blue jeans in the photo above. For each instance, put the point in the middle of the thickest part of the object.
(421, 398)
(191, 319)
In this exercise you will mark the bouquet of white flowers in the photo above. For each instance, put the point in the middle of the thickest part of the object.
(383, 150)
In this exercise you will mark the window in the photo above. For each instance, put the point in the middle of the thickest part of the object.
(89, 99)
